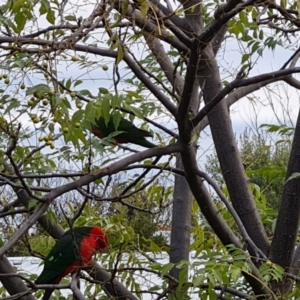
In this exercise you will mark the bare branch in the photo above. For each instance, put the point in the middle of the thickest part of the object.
(153, 88)
(164, 61)
(239, 83)
(13, 284)
(84, 181)
(74, 287)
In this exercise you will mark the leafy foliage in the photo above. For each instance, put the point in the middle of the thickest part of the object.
(66, 63)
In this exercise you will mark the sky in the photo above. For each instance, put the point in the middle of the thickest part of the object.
(251, 111)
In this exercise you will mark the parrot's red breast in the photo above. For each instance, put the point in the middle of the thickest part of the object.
(94, 241)
(73, 250)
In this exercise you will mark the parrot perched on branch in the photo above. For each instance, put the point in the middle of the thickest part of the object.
(72, 251)
(130, 133)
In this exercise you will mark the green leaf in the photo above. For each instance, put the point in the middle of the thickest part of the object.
(235, 274)
(166, 268)
(117, 119)
(90, 112)
(270, 172)
(85, 93)
(17, 5)
(211, 279)
(51, 17)
(106, 110)
(255, 47)
(198, 280)
(120, 54)
(78, 82)
(70, 18)
(245, 57)
(182, 277)
(103, 91)
(32, 203)
(136, 111)
(45, 6)
(295, 175)
(12, 104)
(183, 263)
(144, 8)
(20, 20)
(115, 101)
(77, 116)
(134, 94)
(68, 83)
(243, 17)
(40, 88)
(218, 275)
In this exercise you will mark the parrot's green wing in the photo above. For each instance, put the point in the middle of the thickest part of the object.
(129, 132)
(62, 255)
(130, 129)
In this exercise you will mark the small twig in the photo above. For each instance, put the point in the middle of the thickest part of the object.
(141, 176)
(18, 295)
(14, 136)
(115, 270)
(46, 176)
(8, 206)
(14, 185)
(78, 214)
(290, 59)
(13, 212)
(31, 153)
(61, 11)
(222, 291)
(107, 183)
(234, 214)
(151, 75)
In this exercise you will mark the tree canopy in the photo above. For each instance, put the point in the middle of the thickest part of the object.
(72, 71)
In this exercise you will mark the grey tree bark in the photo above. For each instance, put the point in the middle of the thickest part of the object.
(181, 221)
(287, 226)
(14, 285)
(228, 155)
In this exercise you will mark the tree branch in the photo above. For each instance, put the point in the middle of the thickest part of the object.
(85, 180)
(213, 217)
(164, 61)
(288, 219)
(76, 291)
(14, 285)
(260, 80)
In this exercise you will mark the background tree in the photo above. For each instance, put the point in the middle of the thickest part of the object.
(166, 68)
(265, 156)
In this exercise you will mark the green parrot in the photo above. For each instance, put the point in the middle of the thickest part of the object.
(130, 133)
(73, 250)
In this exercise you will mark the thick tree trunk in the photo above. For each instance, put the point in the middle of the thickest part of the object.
(181, 221)
(287, 226)
(227, 152)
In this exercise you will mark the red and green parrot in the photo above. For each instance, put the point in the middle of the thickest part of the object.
(130, 133)
(73, 250)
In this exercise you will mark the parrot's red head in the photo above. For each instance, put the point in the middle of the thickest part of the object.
(101, 238)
